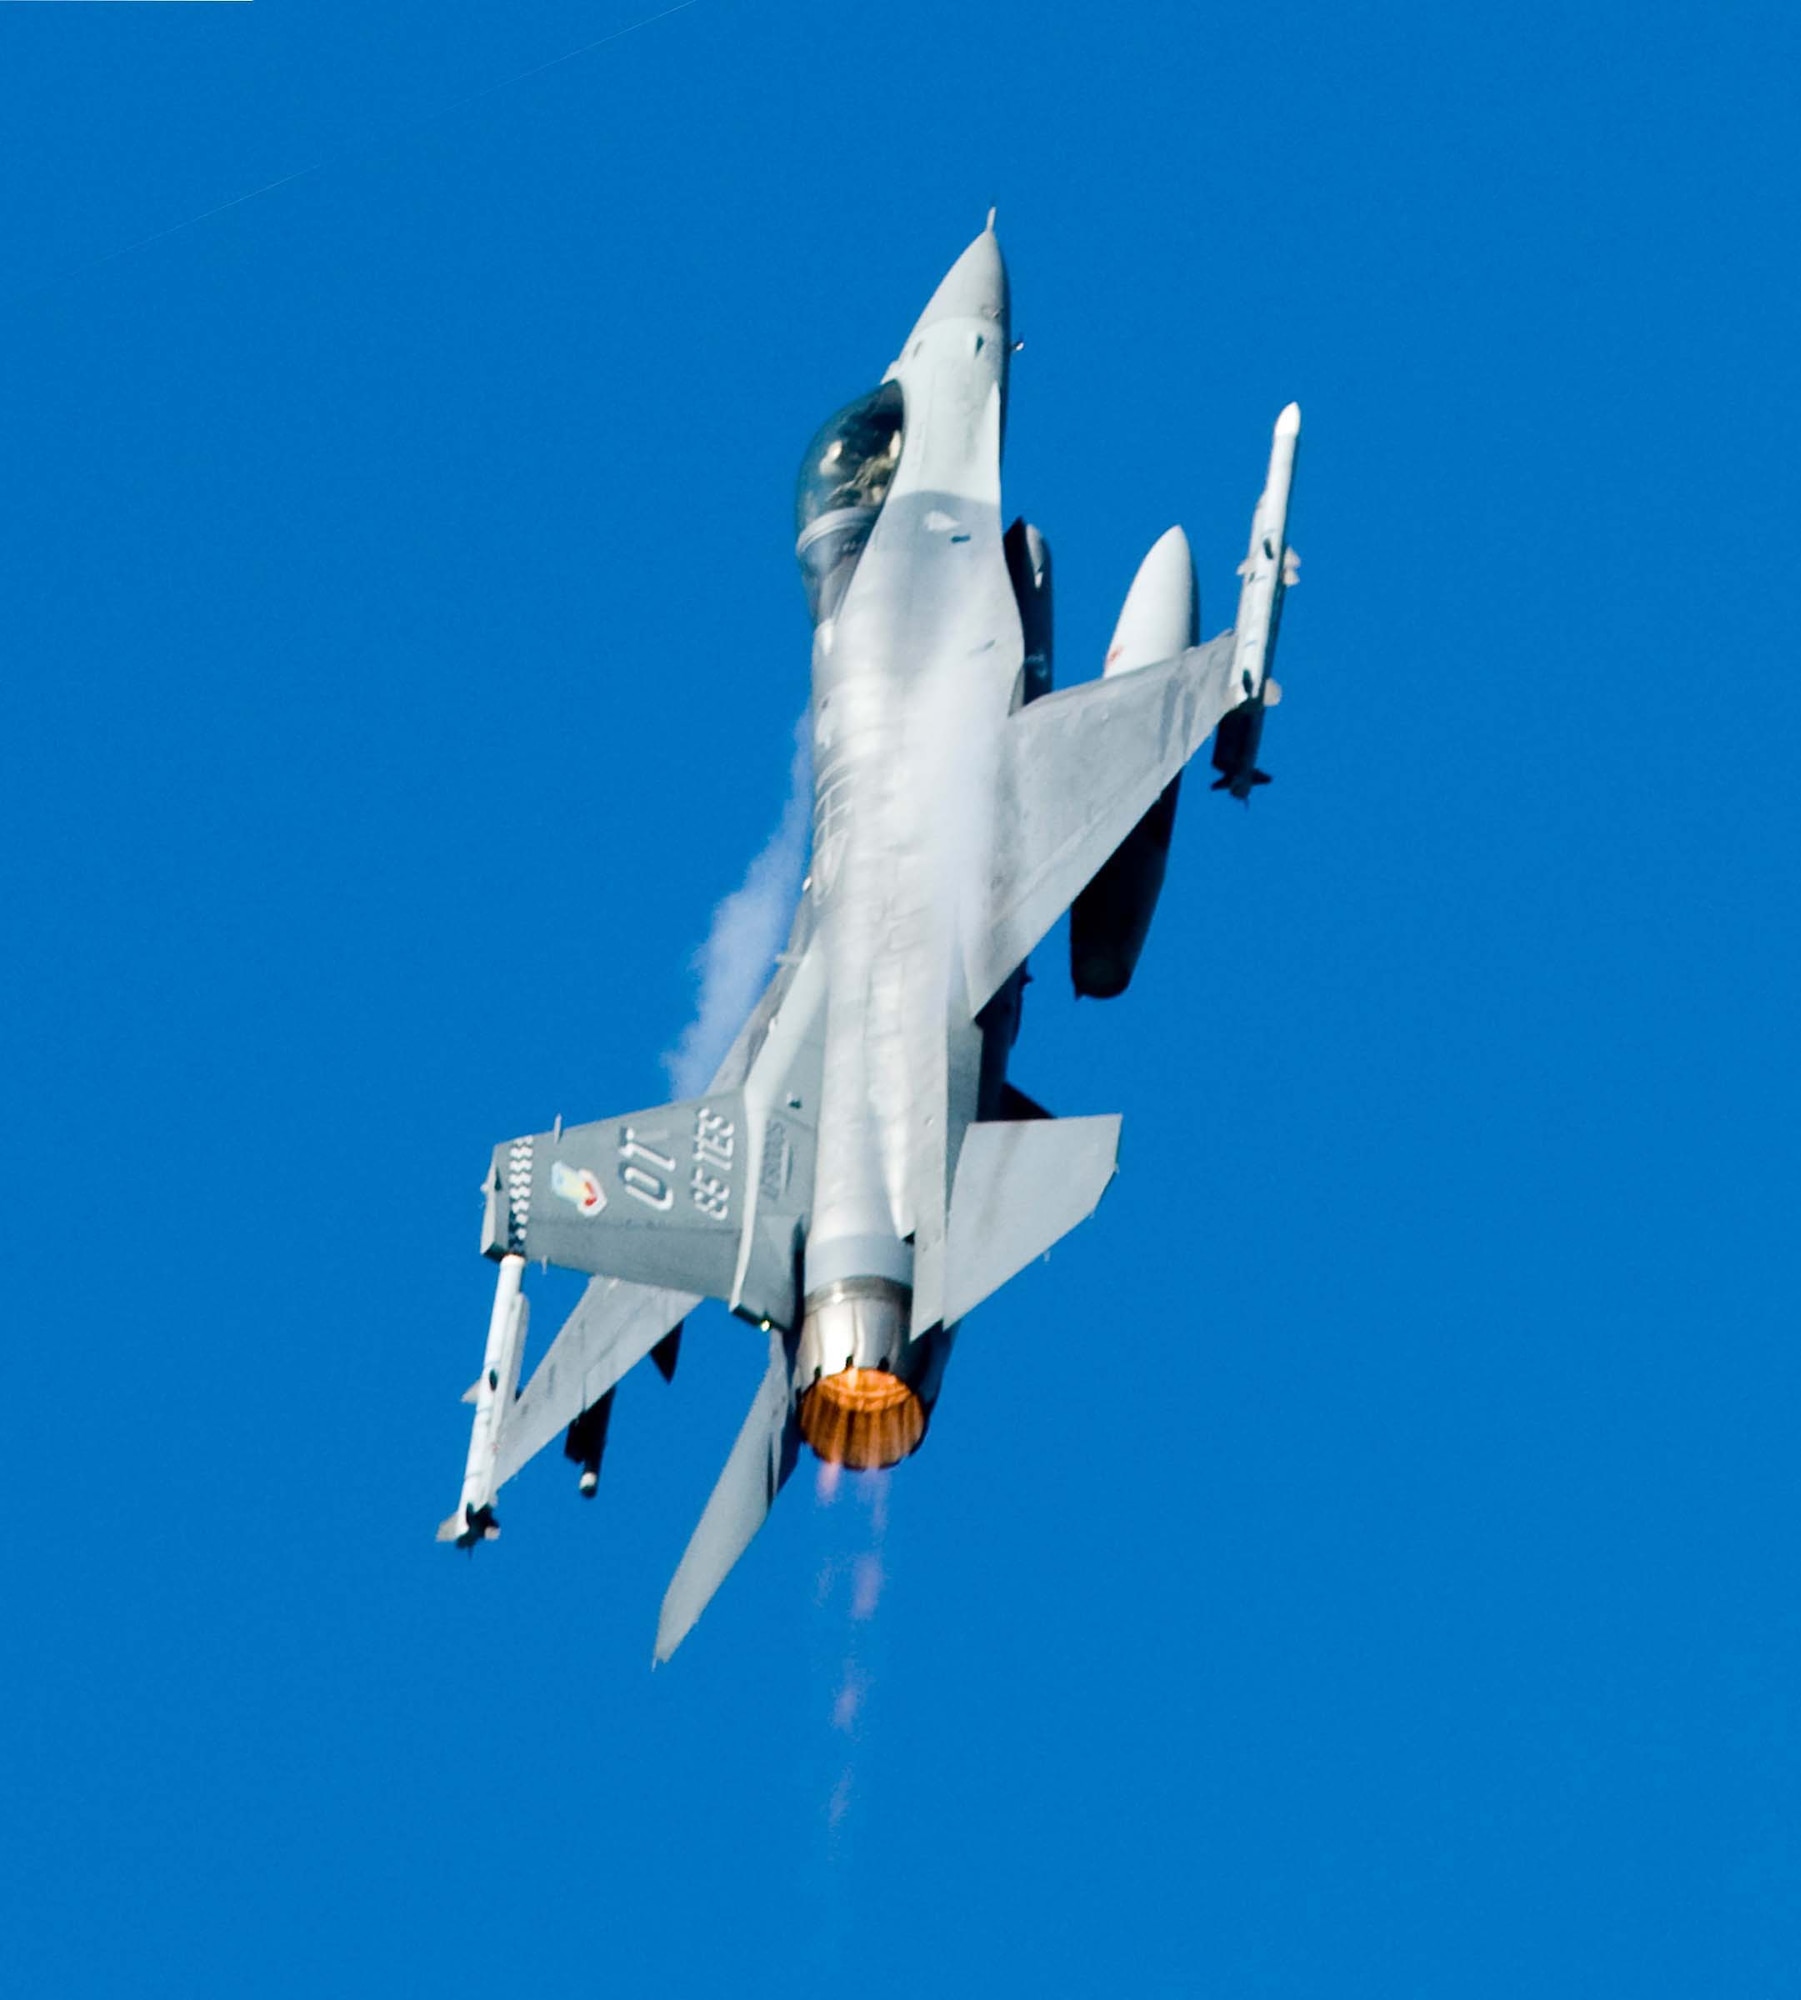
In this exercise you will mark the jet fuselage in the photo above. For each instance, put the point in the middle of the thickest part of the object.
(915, 672)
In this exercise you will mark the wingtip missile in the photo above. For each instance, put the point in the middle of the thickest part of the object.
(1269, 569)
(491, 1393)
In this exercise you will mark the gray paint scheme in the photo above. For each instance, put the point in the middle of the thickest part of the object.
(858, 1133)
(698, 1195)
(1021, 1188)
(613, 1328)
(622, 1197)
(758, 1468)
(1079, 770)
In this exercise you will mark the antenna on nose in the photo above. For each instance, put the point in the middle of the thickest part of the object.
(989, 224)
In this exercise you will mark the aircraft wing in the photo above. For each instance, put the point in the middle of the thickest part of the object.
(1079, 770)
(662, 1208)
(608, 1334)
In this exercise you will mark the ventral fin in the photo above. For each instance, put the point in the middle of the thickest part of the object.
(1016, 1104)
(668, 1351)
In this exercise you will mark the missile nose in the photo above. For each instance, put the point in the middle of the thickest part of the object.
(1288, 424)
(975, 287)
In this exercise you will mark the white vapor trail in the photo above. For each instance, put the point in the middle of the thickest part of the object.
(855, 1676)
(748, 929)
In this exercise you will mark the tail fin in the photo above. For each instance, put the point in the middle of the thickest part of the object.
(657, 1197)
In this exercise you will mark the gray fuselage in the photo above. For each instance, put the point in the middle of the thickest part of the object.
(915, 671)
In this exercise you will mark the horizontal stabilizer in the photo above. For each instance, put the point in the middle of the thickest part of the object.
(1020, 1188)
(754, 1474)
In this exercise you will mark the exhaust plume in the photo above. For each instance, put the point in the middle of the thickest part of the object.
(860, 1568)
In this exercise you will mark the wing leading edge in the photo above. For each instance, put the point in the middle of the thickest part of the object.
(1078, 771)
(664, 1208)
(613, 1328)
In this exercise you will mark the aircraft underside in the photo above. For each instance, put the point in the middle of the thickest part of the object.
(861, 1173)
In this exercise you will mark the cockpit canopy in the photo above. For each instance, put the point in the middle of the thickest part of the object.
(844, 479)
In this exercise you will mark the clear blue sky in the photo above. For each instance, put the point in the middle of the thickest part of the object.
(1364, 1561)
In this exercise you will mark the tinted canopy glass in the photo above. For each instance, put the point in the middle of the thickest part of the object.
(851, 462)
(844, 479)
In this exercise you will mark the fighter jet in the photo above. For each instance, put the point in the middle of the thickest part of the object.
(862, 1174)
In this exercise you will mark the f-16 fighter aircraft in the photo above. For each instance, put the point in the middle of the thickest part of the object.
(861, 1175)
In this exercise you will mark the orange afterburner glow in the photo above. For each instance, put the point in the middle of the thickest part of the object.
(864, 1418)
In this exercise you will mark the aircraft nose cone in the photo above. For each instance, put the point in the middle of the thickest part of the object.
(975, 287)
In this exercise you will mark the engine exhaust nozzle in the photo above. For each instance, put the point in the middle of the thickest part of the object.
(856, 1408)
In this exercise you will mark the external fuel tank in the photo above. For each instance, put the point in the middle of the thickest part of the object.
(1110, 919)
